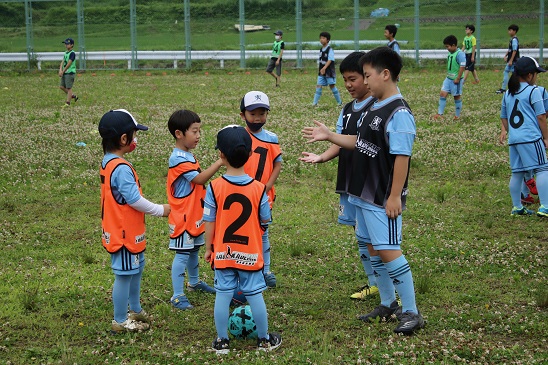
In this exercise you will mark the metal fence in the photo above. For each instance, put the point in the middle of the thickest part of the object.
(188, 26)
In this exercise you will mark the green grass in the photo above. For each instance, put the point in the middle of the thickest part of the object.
(480, 274)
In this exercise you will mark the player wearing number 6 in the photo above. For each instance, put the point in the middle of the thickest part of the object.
(235, 211)
(524, 121)
(265, 163)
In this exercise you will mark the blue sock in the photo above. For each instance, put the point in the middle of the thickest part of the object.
(178, 268)
(258, 308)
(317, 95)
(266, 252)
(441, 105)
(505, 80)
(542, 187)
(400, 273)
(458, 107)
(384, 283)
(135, 291)
(366, 263)
(192, 267)
(337, 95)
(120, 296)
(515, 188)
(221, 313)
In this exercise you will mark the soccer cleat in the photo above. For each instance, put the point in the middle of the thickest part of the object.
(532, 186)
(409, 323)
(274, 341)
(456, 118)
(129, 325)
(142, 316)
(521, 211)
(181, 302)
(270, 279)
(527, 200)
(477, 81)
(66, 105)
(221, 346)
(500, 91)
(542, 211)
(365, 291)
(75, 97)
(201, 286)
(437, 116)
(380, 313)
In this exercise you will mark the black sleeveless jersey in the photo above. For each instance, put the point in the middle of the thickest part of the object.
(324, 54)
(372, 164)
(510, 49)
(351, 118)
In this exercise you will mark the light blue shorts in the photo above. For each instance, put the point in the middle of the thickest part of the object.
(124, 262)
(347, 211)
(325, 81)
(251, 282)
(186, 242)
(527, 156)
(384, 233)
(452, 88)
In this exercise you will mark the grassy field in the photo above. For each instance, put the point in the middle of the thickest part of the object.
(480, 274)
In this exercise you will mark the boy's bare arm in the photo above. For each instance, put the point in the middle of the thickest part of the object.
(274, 176)
(328, 155)
(393, 204)
(209, 233)
(541, 119)
(503, 130)
(322, 133)
(203, 177)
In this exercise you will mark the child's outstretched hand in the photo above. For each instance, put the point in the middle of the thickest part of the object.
(310, 157)
(318, 133)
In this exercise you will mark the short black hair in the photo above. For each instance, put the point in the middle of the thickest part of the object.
(326, 35)
(238, 157)
(112, 144)
(471, 27)
(391, 28)
(450, 40)
(182, 120)
(513, 27)
(382, 58)
(351, 63)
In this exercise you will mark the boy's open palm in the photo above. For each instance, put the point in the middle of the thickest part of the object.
(318, 133)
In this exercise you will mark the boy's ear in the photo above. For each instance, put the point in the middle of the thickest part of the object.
(178, 133)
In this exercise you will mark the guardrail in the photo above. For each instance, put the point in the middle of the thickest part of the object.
(221, 56)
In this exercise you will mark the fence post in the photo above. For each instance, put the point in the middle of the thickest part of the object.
(356, 25)
(133, 30)
(81, 35)
(541, 28)
(188, 48)
(417, 38)
(242, 34)
(478, 31)
(28, 27)
(299, 30)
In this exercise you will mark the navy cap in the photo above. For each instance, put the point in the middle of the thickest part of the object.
(117, 122)
(231, 137)
(279, 32)
(525, 65)
(68, 41)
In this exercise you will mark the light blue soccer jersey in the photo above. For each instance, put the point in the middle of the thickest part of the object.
(181, 186)
(210, 207)
(269, 137)
(521, 111)
(122, 181)
(401, 131)
(544, 94)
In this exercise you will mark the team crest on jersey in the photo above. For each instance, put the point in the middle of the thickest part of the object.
(140, 238)
(367, 148)
(240, 258)
(106, 237)
(374, 125)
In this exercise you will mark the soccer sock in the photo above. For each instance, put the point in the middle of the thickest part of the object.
(515, 188)
(441, 105)
(366, 263)
(221, 313)
(384, 283)
(542, 187)
(258, 308)
(135, 290)
(317, 95)
(120, 296)
(458, 107)
(192, 266)
(266, 252)
(178, 268)
(336, 94)
(400, 273)
(524, 189)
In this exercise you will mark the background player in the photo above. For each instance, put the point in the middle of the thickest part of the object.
(469, 49)
(511, 56)
(327, 76)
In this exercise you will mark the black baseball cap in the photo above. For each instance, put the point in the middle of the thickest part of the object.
(525, 65)
(279, 32)
(68, 41)
(117, 122)
(231, 137)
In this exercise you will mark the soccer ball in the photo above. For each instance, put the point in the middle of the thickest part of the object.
(241, 323)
